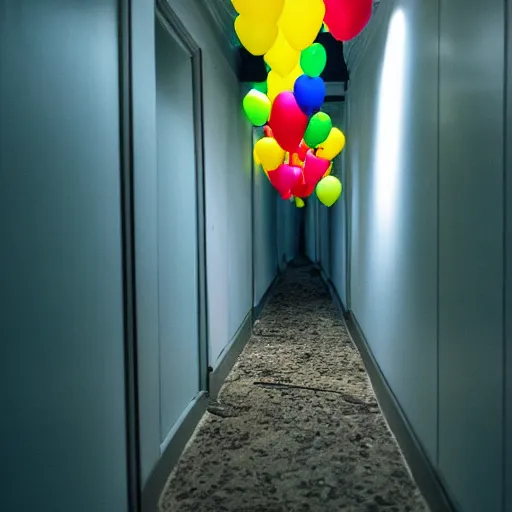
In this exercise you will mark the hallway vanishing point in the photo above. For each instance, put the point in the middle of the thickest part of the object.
(296, 427)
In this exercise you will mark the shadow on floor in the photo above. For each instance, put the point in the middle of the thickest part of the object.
(297, 427)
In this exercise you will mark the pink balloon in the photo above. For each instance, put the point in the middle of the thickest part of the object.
(314, 168)
(347, 18)
(285, 177)
(287, 121)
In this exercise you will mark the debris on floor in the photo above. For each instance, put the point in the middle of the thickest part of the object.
(296, 427)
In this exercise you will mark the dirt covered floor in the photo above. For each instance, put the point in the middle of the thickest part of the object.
(297, 427)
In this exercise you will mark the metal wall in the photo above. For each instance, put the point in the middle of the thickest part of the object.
(228, 221)
(425, 167)
(62, 395)
(471, 275)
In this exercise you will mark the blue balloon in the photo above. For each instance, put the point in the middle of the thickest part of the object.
(309, 93)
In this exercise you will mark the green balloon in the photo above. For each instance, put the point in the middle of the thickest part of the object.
(257, 107)
(261, 86)
(313, 60)
(318, 129)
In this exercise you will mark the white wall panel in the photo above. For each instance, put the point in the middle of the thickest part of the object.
(239, 213)
(228, 175)
(393, 161)
(63, 442)
(177, 231)
(265, 232)
(338, 231)
(223, 157)
(508, 274)
(146, 234)
(471, 252)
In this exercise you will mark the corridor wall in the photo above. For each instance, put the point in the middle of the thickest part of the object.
(508, 272)
(338, 228)
(424, 163)
(228, 167)
(178, 305)
(265, 231)
(287, 231)
(62, 395)
(311, 226)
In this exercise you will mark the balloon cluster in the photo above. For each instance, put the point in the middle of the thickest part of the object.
(300, 141)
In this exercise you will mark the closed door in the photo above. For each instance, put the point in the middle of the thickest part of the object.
(177, 231)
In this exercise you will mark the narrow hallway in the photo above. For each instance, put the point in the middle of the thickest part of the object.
(297, 426)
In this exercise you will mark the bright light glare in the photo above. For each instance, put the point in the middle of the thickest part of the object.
(389, 127)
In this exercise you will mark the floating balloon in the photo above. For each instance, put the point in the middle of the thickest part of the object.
(329, 190)
(301, 21)
(299, 203)
(313, 60)
(286, 195)
(332, 146)
(309, 93)
(295, 160)
(314, 168)
(302, 150)
(302, 189)
(287, 121)
(261, 86)
(319, 127)
(282, 57)
(285, 177)
(347, 18)
(256, 107)
(269, 153)
(266, 10)
(256, 39)
(278, 84)
(267, 131)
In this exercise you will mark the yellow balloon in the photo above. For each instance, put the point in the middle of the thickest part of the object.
(269, 153)
(277, 84)
(328, 171)
(301, 22)
(296, 161)
(256, 38)
(332, 146)
(299, 203)
(329, 190)
(266, 10)
(282, 58)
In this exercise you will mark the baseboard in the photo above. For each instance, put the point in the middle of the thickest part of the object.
(172, 453)
(229, 356)
(333, 292)
(423, 472)
(256, 311)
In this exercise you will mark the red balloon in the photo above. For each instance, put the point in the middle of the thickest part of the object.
(303, 189)
(267, 130)
(302, 150)
(287, 121)
(286, 195)
(314, 168)
(285, 177)
(347, 18)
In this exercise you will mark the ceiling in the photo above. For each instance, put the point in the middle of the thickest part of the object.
(224, 14)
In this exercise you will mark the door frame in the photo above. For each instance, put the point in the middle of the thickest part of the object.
(134, 484)
(126, 129)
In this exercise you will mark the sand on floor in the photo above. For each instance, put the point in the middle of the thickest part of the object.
(296, 427)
